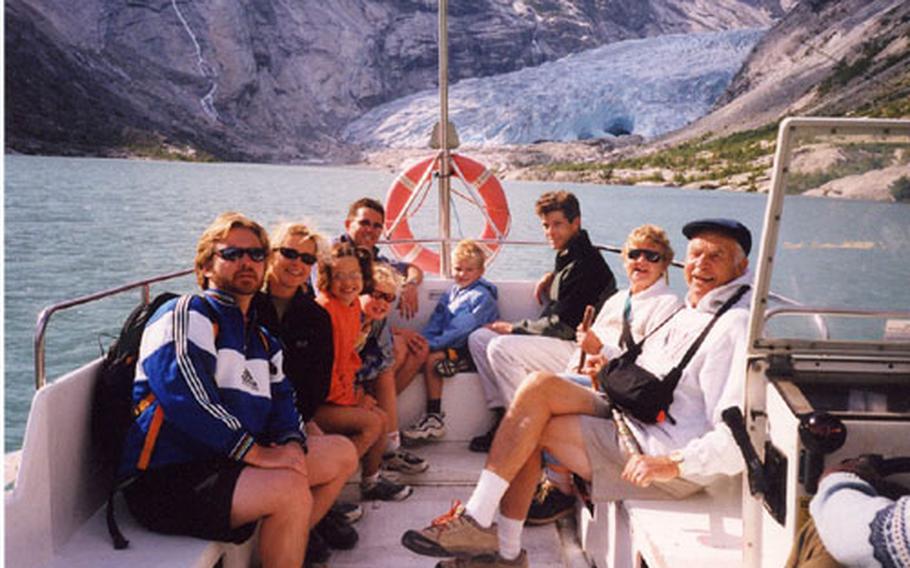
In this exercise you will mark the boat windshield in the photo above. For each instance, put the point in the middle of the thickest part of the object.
(843, 240)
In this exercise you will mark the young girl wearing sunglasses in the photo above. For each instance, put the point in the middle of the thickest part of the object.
(377, 372)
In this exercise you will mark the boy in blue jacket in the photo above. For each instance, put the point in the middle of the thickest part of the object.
(468, 305)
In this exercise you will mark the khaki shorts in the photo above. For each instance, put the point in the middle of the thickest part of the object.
(607, 461)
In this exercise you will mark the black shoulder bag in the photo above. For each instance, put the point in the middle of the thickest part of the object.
(639, 392)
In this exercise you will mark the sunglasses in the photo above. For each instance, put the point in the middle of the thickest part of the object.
(650, 255)
(232, 254)
(377, 295)
(366, 224)
(294, 254)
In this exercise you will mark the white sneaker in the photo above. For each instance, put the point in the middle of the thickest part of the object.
(404, 461)
(430, 426)
(384, 490)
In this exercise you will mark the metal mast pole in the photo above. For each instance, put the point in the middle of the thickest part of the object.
(444, 157)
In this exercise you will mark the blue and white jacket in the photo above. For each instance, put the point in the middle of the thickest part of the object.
(459, 312)
(206, 386)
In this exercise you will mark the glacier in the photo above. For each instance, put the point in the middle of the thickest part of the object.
(645, 87)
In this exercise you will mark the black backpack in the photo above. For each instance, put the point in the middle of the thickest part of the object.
(112, 410)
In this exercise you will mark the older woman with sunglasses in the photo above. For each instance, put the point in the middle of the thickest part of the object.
(626, 317)
(644, 304)
(287, 309)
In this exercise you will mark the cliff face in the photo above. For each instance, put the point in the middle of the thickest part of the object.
(277, 81)
(825, 57)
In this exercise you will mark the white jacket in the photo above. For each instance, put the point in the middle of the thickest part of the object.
(712, 381)
(649, 307)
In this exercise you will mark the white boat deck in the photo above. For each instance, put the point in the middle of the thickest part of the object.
(452, 475)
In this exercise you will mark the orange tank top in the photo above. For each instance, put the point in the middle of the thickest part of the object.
(345, 329)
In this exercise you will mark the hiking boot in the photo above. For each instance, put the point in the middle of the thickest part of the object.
(452, 534)
(336, 532)
(350, 512)
(317, 550)
(429, 426)
(549, 505)
(385, 490)
(486, 561)
(405, 462)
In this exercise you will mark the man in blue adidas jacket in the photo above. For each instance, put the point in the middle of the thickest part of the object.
(218, 444)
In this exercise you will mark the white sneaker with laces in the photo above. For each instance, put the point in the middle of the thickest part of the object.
(405, 462)
(428, 427)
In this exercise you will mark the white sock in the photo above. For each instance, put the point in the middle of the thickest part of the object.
(509, 537)
(485, 500)
(394, 442)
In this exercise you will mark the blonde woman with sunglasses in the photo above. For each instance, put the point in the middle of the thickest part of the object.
(287, 308)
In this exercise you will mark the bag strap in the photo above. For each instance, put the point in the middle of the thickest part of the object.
(634, 349)
(625, 338)
(675, 374)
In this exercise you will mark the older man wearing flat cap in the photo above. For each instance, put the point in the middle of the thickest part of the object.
(704, 344)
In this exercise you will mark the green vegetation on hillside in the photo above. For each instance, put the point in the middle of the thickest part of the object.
(745, 154)
(856, 159)
(844, 72)
(160, 151)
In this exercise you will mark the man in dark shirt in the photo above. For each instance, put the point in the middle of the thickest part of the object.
(505, 352)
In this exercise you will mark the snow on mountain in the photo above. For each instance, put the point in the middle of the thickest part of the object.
(646, 87)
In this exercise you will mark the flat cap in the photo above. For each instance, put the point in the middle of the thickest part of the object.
(734, 229)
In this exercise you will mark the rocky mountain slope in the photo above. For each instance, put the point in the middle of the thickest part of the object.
(832, 57)
(277, 81)
(825, 58)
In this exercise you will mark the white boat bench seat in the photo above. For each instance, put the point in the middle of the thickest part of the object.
(55, 513)
(466, 413)
(705, 529)
(91, 546)
(463, 401)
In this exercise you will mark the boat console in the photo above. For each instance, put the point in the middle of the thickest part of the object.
(830, 379)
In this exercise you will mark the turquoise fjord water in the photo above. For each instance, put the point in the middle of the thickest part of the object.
(76, 225)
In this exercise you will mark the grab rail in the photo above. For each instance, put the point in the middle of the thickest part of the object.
(816, 311)
(45, 315)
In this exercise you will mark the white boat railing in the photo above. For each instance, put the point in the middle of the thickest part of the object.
(44, 316)
(790, 131)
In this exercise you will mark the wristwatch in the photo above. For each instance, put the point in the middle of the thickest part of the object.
(678, 458)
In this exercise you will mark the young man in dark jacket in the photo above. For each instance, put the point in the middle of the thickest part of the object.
(505, 352)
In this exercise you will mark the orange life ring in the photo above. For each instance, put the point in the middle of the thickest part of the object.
(495, 209)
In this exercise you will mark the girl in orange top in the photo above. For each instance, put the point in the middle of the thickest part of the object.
(348, 410)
